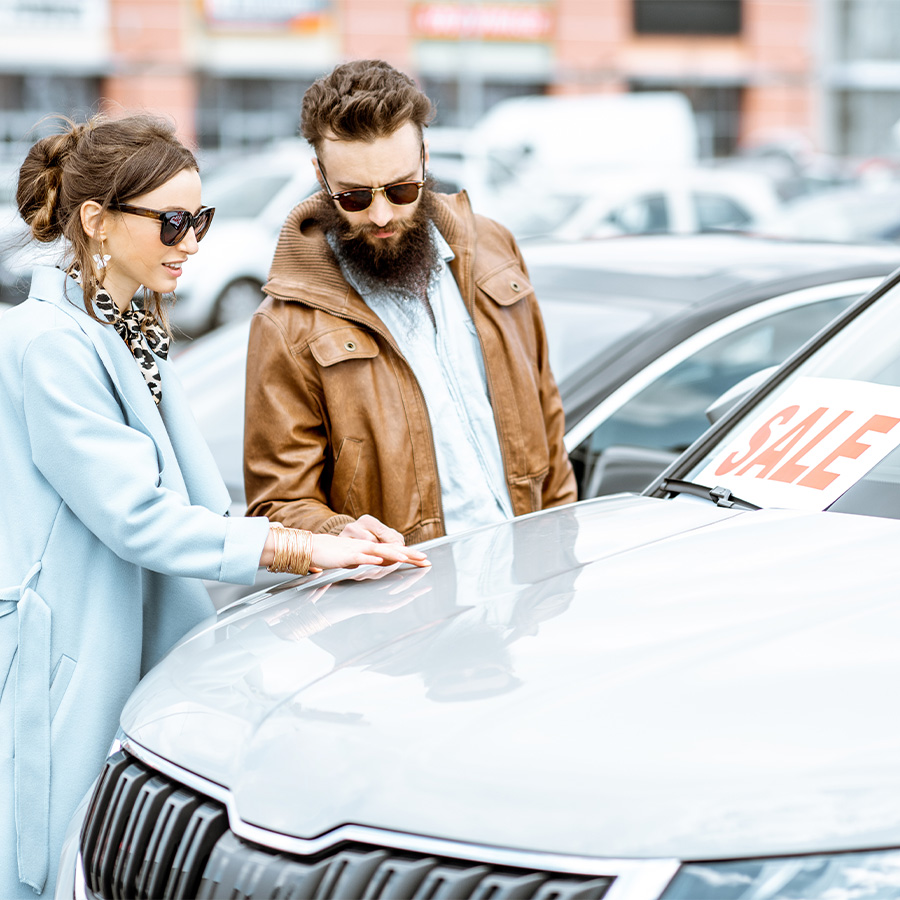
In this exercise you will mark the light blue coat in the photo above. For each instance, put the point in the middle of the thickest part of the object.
(110, 510)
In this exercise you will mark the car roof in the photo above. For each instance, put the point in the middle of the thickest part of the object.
(684, 283)
(696, 269)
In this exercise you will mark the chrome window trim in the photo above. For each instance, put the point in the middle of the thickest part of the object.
(708, 335)
(635, 879)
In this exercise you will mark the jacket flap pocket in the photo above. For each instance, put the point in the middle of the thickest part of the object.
(342, 344)
(506, 285)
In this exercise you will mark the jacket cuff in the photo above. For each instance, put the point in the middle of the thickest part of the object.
(335, 525)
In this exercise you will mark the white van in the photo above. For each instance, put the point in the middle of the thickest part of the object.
(538, 143)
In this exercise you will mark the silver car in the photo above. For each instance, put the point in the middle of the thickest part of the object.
(683, 694)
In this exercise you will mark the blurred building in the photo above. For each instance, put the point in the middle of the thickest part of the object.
(232, 72)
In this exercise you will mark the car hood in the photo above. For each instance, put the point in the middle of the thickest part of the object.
(627, 677)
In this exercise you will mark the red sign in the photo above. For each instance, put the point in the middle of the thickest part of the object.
(491, 21)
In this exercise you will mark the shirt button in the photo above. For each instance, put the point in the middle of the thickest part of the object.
(515, 286)
(350, 345)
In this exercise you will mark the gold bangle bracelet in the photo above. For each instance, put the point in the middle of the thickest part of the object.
(293, 550)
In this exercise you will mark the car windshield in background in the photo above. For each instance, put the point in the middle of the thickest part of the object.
(827, 436)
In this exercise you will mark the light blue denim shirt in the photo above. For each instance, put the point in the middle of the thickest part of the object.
(447, 361)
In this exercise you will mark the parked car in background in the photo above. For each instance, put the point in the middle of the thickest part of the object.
(12, 228)
(669, 696)
(252, 195)
(657, 201)
(644, 333)
(863, 212)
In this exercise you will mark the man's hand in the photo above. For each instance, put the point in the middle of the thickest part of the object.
(368, 528)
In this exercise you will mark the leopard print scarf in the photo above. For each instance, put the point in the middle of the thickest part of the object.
(141, 332)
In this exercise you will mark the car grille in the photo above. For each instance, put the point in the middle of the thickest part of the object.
(146, 836)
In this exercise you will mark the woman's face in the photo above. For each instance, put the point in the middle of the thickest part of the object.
(137, 256)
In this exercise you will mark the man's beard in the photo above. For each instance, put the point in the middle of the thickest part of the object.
(403, 264)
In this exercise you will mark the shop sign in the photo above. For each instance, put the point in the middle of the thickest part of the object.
(265, 14)
(22, 14)
(495, 21)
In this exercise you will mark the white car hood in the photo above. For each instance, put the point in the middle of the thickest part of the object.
(628, 677)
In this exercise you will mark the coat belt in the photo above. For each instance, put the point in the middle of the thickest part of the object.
(31, 735)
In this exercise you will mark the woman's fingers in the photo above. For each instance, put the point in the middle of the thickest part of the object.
(330, 551)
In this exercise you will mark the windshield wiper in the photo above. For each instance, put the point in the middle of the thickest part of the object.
(721, 496)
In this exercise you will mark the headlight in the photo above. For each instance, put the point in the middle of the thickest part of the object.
(871, 875)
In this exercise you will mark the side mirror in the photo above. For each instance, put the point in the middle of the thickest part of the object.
(737, 392)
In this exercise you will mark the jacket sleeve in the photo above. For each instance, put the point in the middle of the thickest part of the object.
(286, 442)
(109, 472)
(559, 486)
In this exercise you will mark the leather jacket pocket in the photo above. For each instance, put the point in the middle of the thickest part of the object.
(506, 285)
(342, 344)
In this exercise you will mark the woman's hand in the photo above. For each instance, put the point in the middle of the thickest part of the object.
(339, 552)
(331, 551)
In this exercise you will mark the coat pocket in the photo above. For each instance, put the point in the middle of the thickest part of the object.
(59, 682)
(342, 344)
(506, 285)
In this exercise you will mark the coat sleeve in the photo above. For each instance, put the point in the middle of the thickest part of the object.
(286, 443)
(109, 473)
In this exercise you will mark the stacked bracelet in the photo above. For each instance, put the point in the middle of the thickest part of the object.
(293, 550)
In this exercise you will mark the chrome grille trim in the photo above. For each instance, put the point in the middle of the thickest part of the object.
(635, 879)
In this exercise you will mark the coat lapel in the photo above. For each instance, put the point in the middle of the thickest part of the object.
(171, 426)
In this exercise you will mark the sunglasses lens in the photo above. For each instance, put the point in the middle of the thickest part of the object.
(202, 222)
(175, 225)
(355, 201)
(402, 194)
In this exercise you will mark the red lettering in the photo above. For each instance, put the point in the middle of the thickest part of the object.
(757, 441)
(819, 478)
(772, 455)
(791, 470)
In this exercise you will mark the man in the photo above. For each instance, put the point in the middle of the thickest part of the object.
(397, 376)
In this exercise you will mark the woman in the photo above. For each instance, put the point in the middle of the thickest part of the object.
(110, 504)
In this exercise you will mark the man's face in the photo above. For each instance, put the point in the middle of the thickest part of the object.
(365, 164)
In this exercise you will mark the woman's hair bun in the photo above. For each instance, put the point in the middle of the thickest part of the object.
(40, 181)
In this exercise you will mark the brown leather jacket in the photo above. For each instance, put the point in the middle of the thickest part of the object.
(336, 424)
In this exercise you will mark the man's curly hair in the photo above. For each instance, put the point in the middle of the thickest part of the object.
(360, 101)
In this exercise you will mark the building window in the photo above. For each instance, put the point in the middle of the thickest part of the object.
(687, 16)
(246, 113)
(717, 110)
(460, 102)
(25, 100)
(866, 29)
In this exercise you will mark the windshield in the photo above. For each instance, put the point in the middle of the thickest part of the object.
(828, 436)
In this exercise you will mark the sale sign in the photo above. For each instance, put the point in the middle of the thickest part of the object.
(810, 445)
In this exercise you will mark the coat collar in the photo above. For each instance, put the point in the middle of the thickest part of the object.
(304, 267)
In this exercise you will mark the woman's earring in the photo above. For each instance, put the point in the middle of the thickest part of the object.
(101, 259)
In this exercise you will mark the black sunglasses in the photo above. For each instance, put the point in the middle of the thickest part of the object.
(400, 193)
(175, 223)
